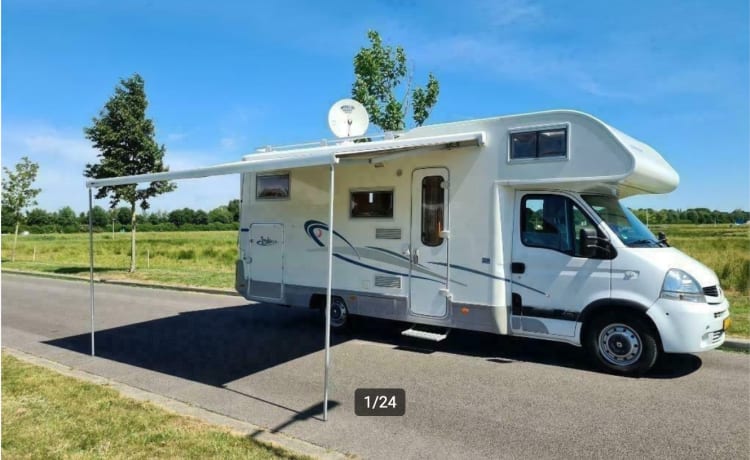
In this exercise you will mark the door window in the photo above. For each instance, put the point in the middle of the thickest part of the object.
(553, 222)
(433, 204)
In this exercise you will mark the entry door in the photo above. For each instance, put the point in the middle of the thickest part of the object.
(552, 278)
(267, 261)
(428, 248)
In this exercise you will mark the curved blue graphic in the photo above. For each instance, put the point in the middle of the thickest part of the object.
(312, 225)
(478, 272)
(395, 259)
(372, 253)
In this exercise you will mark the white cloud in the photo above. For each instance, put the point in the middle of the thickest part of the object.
(176, 137)
(228, 143)
(43, 140)
(62, 155)
(505, 12)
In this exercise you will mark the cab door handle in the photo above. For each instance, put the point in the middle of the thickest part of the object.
(518, 267)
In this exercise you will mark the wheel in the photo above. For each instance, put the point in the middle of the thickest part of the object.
(622, 344)
(339, 314)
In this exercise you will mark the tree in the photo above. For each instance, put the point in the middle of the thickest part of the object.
(18, 193)
(66, 220)
(200, 217)
(378, 71)
(125, 140)
(99, 217)
(234, 209)
(158, 217)
(124, 215)
(38, 217)
(180, 217)
(220, 215)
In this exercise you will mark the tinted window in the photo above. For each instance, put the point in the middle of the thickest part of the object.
(537, 144)
(272, 187)
(433, 204)
(552, 143)
(524, 145)
(375, 203)
(553, 222)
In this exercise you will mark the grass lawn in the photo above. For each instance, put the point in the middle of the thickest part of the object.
(206, 259)
(48, 415)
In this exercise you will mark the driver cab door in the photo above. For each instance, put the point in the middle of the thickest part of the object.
(553, 275)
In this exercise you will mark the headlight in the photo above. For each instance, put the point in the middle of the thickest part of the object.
(678, 285)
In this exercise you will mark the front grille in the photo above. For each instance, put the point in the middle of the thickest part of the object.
(711, 291)
(716, 336)
(719, 314)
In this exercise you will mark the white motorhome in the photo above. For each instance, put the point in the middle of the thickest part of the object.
(509, 225)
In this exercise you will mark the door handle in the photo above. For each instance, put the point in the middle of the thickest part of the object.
(415, 257)
(517, 267)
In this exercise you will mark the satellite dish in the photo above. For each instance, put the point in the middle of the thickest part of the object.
(348, 118)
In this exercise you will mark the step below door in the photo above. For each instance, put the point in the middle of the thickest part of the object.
(267, 261)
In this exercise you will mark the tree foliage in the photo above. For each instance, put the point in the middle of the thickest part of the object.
(125, 140)
(379, 70)
(18, 193)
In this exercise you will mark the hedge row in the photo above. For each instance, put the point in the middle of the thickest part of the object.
(143, 227)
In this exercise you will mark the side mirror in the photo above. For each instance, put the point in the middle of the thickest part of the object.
(663, 238)
(588, 242)
(590, 246)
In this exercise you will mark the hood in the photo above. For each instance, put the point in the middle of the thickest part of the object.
(674, 258)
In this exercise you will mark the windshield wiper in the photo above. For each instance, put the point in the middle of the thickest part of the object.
(644, 241)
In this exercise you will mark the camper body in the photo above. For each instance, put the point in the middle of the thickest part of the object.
(517, 232)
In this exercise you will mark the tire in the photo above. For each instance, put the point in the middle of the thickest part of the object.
(340, 318)
(622, 344)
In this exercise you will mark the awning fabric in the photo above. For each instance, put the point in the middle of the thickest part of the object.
(306, 157)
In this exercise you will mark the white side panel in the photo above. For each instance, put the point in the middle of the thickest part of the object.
(267, 261)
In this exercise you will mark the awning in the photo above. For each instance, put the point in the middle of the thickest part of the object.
(330, 155)
(306, 157)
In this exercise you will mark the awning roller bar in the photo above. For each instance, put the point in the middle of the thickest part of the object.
(290, 159)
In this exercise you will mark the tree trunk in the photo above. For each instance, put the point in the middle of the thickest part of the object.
(15, 241)
(132, 238)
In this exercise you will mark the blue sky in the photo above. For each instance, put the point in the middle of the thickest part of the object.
(226, 77)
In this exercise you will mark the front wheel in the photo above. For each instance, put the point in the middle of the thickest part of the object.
(622, 344)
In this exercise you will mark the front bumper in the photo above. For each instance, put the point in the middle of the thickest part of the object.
(689, 327)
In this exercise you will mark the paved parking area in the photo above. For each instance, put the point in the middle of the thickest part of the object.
(475, 395)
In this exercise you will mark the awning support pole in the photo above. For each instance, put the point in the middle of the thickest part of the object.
(91, 269)
(328, 296)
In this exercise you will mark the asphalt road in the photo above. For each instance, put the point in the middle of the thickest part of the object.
(473, 396)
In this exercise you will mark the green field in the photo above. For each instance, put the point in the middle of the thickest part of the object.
(206, 259)
(48, 415)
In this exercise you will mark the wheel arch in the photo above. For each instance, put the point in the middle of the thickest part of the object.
(616, 306)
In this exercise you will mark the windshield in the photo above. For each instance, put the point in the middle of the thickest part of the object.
(628, 228)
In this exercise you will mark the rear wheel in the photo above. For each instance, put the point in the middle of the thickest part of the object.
(339, 314)
(622, 344)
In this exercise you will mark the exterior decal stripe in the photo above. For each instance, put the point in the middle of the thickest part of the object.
(381, 270)
(471, 270)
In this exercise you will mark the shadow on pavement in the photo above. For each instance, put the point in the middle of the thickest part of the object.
(76, 270)
(217, 346)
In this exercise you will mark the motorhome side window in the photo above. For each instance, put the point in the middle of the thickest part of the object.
(553, 222)
(272, 187)
(371, 203)
(539, 144)
(433, 204)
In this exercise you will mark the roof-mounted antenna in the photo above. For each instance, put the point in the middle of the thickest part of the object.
(348, 118)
